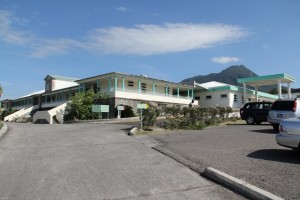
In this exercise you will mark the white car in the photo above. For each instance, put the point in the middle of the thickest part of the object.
(289, 135)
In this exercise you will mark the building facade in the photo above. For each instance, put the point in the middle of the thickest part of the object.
(122, 89)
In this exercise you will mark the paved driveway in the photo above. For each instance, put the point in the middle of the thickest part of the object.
(243, 151)
(92, 161)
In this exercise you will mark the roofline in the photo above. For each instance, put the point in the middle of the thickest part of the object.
(62, 78)
(135, 76)
(268, 77)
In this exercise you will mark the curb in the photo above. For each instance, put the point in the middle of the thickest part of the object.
(239, 185)
(133, 131)
(221, 178)
(3, 130)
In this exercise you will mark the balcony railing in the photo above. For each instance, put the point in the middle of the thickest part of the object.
(135, 91)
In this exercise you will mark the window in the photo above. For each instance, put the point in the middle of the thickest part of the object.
(208, 97)
(167, 90)
(223, 96)
(235, 98)
(130, 84)
(144, 86)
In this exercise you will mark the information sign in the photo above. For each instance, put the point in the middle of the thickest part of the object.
(142, 106)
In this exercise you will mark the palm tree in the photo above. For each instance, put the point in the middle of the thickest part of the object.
(1, 91)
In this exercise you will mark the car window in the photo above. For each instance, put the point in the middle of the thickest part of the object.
(283, 105)
(252, 106)
(267, 105)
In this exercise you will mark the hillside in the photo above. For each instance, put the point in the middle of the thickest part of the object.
(228, 75)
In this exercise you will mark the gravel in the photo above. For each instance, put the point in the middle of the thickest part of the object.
(243, 151)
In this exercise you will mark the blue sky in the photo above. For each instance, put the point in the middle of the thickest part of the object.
(165, 39)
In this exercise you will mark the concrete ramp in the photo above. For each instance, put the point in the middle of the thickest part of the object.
(24, 112)
(46, 117)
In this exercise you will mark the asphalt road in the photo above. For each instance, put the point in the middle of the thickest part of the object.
(243, 151)
(93, 162)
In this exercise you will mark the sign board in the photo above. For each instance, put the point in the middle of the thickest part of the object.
(96, 108)
(100, 108)
(142, 106)
(120, 107)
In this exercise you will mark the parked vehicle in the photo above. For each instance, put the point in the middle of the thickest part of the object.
(255, 112)
(289, 135)
(283, 109)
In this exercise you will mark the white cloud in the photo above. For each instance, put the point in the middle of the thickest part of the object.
(138, 40)
(122, 9)
(46, 48)
(225, 60)
(8, 34)
(155, 39)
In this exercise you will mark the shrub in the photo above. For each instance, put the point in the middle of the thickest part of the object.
(6, 113)
(80, 106)
(193, 118)
(150, 115)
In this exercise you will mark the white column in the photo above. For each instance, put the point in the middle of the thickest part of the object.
(245, 93)
(289, 90)
(279, 88)
(256, 93)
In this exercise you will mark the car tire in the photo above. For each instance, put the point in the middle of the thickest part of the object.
(275, 127)
(258, 122)
(250, 120)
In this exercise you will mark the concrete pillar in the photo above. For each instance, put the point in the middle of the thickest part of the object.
(98, 85)
(188, 93)
(279, 88)
(139, 82)
(178, 90)
(116, 84)
(166, 90)
(109, 84)
(289, 90)
(245, 93)
(153, 88)
(123, 84)
(256, 93)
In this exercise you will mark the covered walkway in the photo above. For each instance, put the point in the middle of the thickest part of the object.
(257, 81)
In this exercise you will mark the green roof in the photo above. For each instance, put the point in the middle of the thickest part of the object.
(267, 80)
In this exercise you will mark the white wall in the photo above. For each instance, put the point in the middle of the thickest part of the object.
(24, 112)
(48, 115)
(215, 100)
(59, 84)
(155, 98)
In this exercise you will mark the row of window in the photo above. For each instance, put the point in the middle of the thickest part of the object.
(222, 96)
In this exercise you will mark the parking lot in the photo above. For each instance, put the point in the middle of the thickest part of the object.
(246, 152)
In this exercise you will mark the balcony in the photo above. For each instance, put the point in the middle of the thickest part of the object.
(148, 96)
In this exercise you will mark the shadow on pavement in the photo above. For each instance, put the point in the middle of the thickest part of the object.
(265, 131)
(279, 155)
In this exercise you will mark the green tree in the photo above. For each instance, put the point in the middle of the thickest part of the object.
(275, 91)
(1, 91)
(80, 106)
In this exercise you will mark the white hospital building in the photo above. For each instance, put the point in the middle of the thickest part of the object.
(125, 89)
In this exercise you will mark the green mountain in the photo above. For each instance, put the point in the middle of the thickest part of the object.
(229, 76)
